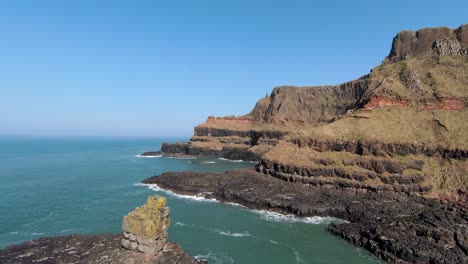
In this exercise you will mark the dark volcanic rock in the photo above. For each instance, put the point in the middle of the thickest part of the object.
(88, 249)
(151, 154)
(227, 152)
(394, 226)
(440, 41)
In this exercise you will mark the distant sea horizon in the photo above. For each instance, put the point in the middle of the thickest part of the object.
(55, 186)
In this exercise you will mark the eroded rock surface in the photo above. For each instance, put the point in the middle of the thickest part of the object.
(144, 241)
(395, 226)
(145, 228)
(88, 249)
(367, 151)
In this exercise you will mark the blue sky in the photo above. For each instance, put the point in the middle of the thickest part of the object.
(158, 68)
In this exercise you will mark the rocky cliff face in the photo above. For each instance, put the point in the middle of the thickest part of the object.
(367, 133)
(412, 111)
(309, 105)
(288, 109)
(387, 152)
(230, 138)
(439, 41)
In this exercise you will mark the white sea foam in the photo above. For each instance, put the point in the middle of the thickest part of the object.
(37, 234)
(202, 162)
(273, 242)
(179, 224)
(148, 156)
(181, 158)
(235, 204)
(237, 161)
(216, 258)
(264, 214)
(199, 197)
(298, 257)
(233, 234)
(290, 218)
(67, 230)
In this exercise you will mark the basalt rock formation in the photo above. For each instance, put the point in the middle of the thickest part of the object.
(439, 41)
(144, 242)
(145, 228)
(399, 133)
(424, 78)
(394, 226)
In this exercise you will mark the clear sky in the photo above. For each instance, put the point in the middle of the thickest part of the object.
(158, 68)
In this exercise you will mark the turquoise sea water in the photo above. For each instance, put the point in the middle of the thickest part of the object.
(53, 187)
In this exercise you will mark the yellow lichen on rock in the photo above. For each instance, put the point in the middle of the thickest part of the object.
(145, 228)
(147, 221)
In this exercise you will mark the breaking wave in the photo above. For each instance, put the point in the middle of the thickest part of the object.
(216, 258)
(149, 156)
(290, 218)
(237, 161)
(199, 197)
(264, 214)
(202, 162)
(233, 234)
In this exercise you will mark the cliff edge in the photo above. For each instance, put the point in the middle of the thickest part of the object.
(401, 128)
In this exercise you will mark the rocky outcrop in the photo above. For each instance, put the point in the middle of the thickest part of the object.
(311, 105)
(151, 154)
(440, 41)
(425, 70)
(244, 142)
(379, 148)
(367, 151)
(395, 227)
(144, 241)
(287, 109)
(98, 249)
(145, 228)
(233, 152)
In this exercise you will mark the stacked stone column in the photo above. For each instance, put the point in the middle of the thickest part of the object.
(145, 228)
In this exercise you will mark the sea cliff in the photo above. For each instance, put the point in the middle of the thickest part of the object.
(387, 152)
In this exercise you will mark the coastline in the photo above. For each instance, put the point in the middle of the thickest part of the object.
(393, 227)
(265, 212)
(102, 248)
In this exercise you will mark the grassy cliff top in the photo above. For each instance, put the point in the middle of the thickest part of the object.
(421, 78)
(447, 128)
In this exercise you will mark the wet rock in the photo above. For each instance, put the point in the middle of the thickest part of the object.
(151, 154)
(99, 249)
(395, 226)
(144, 241)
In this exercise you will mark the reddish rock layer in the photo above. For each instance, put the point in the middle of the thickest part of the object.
(229, 119)
(379, 101)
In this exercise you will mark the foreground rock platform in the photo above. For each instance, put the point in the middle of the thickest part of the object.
(89, 249)
(395, 226)
(144, 241)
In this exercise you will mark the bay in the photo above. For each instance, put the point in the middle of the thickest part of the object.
(60, 186)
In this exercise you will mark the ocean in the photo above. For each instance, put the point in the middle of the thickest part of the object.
(61, 186)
